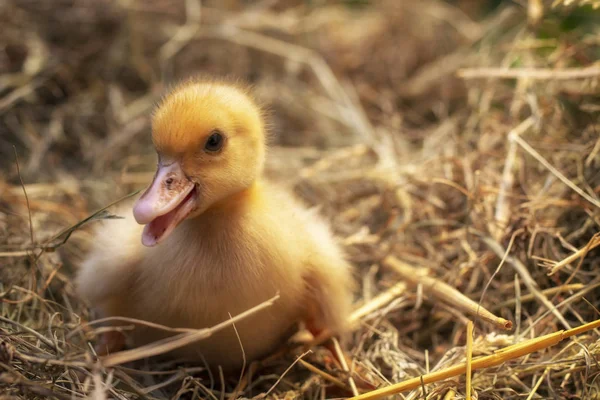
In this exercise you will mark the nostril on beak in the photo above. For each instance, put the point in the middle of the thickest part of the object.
(169, 181)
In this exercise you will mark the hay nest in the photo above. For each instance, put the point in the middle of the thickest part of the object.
(458, 138)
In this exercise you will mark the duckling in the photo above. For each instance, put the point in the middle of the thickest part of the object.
(211, 237)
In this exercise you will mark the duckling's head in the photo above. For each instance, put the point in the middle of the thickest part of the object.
(210, 141)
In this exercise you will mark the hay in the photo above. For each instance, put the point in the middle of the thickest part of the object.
(460, 138)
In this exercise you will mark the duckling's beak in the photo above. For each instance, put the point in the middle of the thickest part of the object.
(169, 200)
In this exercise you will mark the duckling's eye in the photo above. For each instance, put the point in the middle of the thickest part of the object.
(214, 142)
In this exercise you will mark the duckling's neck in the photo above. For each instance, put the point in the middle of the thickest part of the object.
(232, 206)
(239, 200)
(218, 237)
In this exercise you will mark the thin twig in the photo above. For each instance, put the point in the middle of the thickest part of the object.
(66, 233)
(529, 282)
(545, 292)
(502, 261)
(378, 302)
(529, 73)
(244, 361)
(592, 244)
(178, 341)
(444, 292)
(342, 358)
(469, 365)
(498, 358)
(324, 375)
(38, 335)
(286, 371)
(501, 215)
(557, 173)
(26, 197)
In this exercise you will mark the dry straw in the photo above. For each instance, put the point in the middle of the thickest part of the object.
(444, 292)
(500, 357)
(453, 146)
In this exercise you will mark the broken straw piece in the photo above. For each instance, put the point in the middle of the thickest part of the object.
(444, 292)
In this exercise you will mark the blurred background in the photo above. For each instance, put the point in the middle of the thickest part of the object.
(79, 78)
(393, 117)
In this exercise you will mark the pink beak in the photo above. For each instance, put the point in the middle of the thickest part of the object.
(170, 198)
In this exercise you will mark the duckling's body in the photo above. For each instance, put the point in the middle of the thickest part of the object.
(229, 254)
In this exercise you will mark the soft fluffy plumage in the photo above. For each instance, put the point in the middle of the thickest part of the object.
(219, 238)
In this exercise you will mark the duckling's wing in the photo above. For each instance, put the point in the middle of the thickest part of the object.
(330, 283)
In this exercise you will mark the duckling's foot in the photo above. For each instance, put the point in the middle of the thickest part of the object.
(110, 342)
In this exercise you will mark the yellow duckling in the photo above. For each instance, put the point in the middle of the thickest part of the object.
(217, 238)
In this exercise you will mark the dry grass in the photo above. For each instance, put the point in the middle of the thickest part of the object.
(459, 138)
